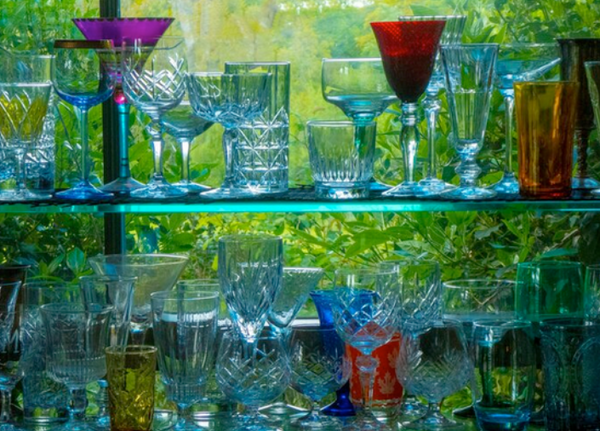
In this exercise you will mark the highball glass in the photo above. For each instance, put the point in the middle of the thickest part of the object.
(11, 370)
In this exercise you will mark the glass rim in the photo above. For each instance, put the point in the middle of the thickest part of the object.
(249, 237)
(566, 323)
(203, 281)
(108, 278)
(303, 268)
(259, 63)
(122, 19)
(174, 295)
(210, 74)
(55, 308)
(40, 284)
(17, 283)
(104, 44)
(364, 271)
(377, 23)
(577, 39)
(502, 324)
(477, 283)
(33, 55)
(129, 43)
(428, 17)
(232, 333)
(348, 59)
(10, 266)
(593, 266)
(27, 84)
(334, 123)
(130, 350)
(547, 263)
(546, 84)
(591, 63)
(447, 46)
(528, 44)
(173, 258)
(312, 328)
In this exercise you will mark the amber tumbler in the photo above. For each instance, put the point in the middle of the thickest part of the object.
(130, 375)
(545, 113)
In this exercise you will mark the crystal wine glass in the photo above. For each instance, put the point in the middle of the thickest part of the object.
(25, 90)
(518, 62)
(434, 363)
(81, 77)
(76, 338)
(10, 369)
(366, 317)
(253, 378)
(359, 88)
(469, 70)
(319, 367)
(231, 100)
(185, 331)
(420, 295)
(154, 82)
(408, 50)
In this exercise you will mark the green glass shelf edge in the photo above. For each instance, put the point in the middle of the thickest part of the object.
(287, 206)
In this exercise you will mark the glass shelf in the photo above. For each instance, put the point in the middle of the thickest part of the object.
(296, 201)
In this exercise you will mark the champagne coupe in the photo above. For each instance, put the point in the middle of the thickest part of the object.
(11, 370)
(408, 50)
(431, 185)
(154, 81)
(184, 126)
(359, 88)
(77, 336)
(81, 76)
(518, 62)
(25, 89)
(118, 29)
(469, 72)
(231, 100)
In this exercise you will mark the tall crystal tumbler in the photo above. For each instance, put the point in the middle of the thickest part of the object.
(571, 348)
(185, 331)
(342, 167)
(505, 370)
(11, 370)
(592, 70)
(545, 113)
(261, 154)
(76, 339)
(469, 70)
(592, 291)
(130, 374)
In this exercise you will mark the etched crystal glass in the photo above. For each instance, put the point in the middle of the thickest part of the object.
(592, 70)
(11, 370)
(420, 295)
(591, 295)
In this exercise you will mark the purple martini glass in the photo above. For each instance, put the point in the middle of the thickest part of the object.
(148, 30)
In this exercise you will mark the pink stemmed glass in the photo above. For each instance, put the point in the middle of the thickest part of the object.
(408, 51)
(148, 30)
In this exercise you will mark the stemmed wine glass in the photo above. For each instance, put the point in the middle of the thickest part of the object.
(518, 62)
(11, 370)
(408, 50)
(366, 317)
(154, 82)
(231, 100)
(81, 77)
(359, 88)
(469, 70)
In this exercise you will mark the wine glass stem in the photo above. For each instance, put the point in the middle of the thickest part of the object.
(123, 110)
(434, 409)
(83, 128)
(185, 159)
(77, 402)
(509, 105)
(155, 131)
(20, 170)
(366, 366)
(228, 154)
(468, 170)
(409, 140)
(5, 413)
(183, 414)
(138, 336)
(432, 110)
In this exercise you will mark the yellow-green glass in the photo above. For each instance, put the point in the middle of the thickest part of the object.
(130, 374)
(592, 291)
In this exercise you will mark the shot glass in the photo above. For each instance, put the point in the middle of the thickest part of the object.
(130, 374)
(545, 113)
(341, 158)
(505, 370)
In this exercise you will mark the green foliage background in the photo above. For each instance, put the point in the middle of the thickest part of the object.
(466, 244)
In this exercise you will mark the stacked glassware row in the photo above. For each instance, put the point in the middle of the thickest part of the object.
(497, 336)
(127, 58)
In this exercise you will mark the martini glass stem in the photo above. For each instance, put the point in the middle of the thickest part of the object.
(123, 113)
(155, 131)
(432, 110)
(185, 145)
(409, 140)
(366, 366)
(509, 106)
(83, 127)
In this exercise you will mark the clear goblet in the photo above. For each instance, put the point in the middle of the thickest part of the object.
(154, 82)
(76, 339)
(231, 100)
(11, 370)
(253, 378)
(469, 71)
(433, 363)
(185, 332)
(319, 367)
(82, 78)
(365, 316)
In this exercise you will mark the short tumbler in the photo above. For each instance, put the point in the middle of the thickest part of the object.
(545, 113)
(341, 158)
(505, 369)
(130, 375)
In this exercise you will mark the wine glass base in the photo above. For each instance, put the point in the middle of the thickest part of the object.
(281, 409)
(465, 412)
(341, 409)
(432, 187)
(76, 425)
(336, 191)
(507, 186)
(469, 194)
(83, 191)
(585, 183)
(10, 427)
(376, 186)
(24, 195)
(411, 410)
(122, 185)
(318, 422)
(366, 423)
(433, 422)
(402, 190)
(158, 189)
(190, 187)
(226, 192)
(596, 192)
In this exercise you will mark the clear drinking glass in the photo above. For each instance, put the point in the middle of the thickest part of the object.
(469, 71)
(231, 100)
(591, 295)
(505, 372)
(185, 331)
(420, 295)
(366, 317)
(434, 363)
(25, 90)
(319, 367)
(154, 82)
(253, 377)
(518, 62)
(431, 185)
(342, 164)
(76, 339)
(250, 272)
(82, 77)
(408, 51)
(11, 370)
(592, 70)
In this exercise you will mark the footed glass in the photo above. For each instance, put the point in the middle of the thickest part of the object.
(469, 70)
(420, 295)
(82, 76)
(408, 51)
(11, 368)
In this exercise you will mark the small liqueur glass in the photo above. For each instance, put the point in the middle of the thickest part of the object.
(408, 51)
(82, 76)
(469, 70)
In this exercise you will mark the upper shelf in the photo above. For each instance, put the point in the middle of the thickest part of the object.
(297, 201)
